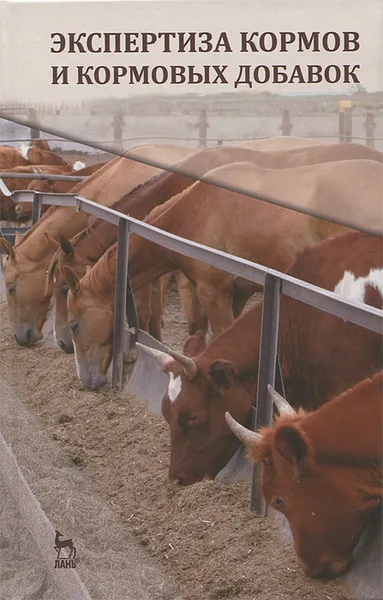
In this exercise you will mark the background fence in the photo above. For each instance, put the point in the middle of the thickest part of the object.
(203, 122)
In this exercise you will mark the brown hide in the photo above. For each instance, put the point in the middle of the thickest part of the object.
(11, 158)
(279, 143)
(24, 209)
(42, 144)
(323, 471)
(321, 356)
(8, 207)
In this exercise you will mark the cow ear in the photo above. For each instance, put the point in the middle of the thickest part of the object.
(292, 444)
(66, 247)
(6, 248)
(222, 374)
(72, 280)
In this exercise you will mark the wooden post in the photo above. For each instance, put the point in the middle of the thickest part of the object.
(32, 118)
(370, 126)
(118, 127)
(345, 121)
(202, 128)
(348, 125)
(286, 126)
(341, 127)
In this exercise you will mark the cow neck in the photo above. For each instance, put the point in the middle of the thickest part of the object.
(239, 343)
(147, 262)
(341, 431)
(137, 204)
(62, 220)
(100, 281)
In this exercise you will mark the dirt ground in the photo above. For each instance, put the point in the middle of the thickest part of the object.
(205, 535)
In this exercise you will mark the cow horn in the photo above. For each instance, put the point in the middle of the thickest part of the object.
(282, 405)
(161, 357)
(246, 436)
(188, 364)
(4, 189)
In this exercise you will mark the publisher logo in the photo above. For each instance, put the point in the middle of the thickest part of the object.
(66, 552)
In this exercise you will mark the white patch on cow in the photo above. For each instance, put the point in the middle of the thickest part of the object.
(353, 288)
(174, 387)
(4, 190)
(78, 165)
(76, 360)
(24, 149)
(54, 327)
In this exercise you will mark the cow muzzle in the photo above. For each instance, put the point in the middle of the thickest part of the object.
(27, 336)
(326, 568)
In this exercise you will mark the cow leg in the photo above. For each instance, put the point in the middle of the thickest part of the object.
(217, 302)
(143, 306)
(196, 316)
(164, 281)
(239, 303)
(156, 311)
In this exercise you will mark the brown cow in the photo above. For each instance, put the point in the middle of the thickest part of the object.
(323, 471)
(321, 356)
(29, 155)
(24, 209)
(8, 209)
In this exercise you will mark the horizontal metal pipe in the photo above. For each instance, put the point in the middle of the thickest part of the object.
(48, 177)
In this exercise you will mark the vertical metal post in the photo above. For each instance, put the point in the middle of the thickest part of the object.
(120, 302)
(130, 309)
(266, 374)
(36, 208)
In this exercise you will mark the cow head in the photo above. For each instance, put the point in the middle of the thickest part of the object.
(91, 320)
(199, 392)
(25, 284)
(66, 256)
(326, 510)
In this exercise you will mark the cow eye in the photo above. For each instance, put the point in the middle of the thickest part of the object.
(65, 289)
(192, 420)
(12, 289)
(75, 327)
(278, 503)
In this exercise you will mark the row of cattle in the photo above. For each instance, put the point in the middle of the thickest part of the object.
(323, 470)
(35, 158)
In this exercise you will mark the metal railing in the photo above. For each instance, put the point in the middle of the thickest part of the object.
(47, 176)
(274, 283)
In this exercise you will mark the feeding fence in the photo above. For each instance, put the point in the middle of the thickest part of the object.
(274, 283)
